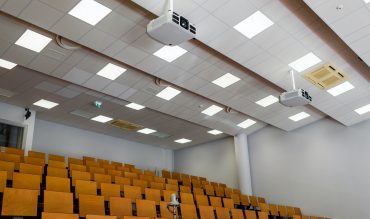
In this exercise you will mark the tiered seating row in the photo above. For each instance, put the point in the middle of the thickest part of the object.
(87, 187)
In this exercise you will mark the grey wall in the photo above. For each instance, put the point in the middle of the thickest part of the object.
(323, 168)
(214, 160)
(60, 139)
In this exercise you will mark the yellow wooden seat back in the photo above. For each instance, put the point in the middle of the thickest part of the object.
(19, 202)
(58, 202)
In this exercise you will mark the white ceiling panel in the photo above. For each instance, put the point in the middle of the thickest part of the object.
(261, 63)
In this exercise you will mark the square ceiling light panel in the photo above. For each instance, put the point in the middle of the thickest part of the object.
(305, 62)
(212, 110)
(45, 104)
(89, 11)
(170, 53)
(182, 141)
(168, 93)
(102, 119)
(33, 41)
(215, 132)
(253, 25)
(146, 131)
(363, 110)
(247, 123)
(111, 71)
(299, 116)
(7, 64)
(340, 89)
(267, 101)
(135, 106)
(226, 80)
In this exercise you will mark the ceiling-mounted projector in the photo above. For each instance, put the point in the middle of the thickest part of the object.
(295, 97)
(171, 28)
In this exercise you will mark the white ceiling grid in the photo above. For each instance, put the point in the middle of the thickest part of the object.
(191, 70)
(30, 86)
(79, 67)
(122, 36)
(269, 56)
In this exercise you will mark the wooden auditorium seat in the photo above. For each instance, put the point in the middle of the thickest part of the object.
(201, 200)
(222, 213)
(85, 187)
(249, 214)
(57, 164)
(46, 215)
(153, 195)
(228, 203)
(262, 215)
(3, 179)
(132, 192)
(206, 212)
(58, 202)
(26, 181)
(100, 217)
(58, 184)
(215, 201)
(56, 158)
(188, 211)
(238, 214)
(120, 207)
(110, 190)
(91, 205)
(19, 202)
(57, 172)
(8, 167)
(146, 208)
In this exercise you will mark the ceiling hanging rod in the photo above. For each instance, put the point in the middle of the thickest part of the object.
(292, 78)
(170, 5)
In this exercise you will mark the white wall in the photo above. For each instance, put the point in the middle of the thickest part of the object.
(323, 168)
(60, 139)
(14, 115)
(214, 160)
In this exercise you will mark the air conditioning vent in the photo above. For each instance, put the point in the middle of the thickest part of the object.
(126, 125)
(326, 77)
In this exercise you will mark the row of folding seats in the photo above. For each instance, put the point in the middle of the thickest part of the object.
(100, 170)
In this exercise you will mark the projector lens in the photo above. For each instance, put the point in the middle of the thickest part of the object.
(184, 23)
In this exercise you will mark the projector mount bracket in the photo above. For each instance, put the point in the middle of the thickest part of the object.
(292, 78)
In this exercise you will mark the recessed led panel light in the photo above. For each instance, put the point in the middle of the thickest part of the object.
(212, 110)
(168, 93)
(45, 104)
(102, 119)
(170, 53)
(305, 62)
(147, 131)
(299, 116)
(363, 110)
(247, 123)
(254, 24)
(7, 64)
(111, 71)
(267, 101)
(182, 141)
(135, 106)
(367, 1)
(215, 132)
(342, 88)
(33, 41)
(89, 11)
(226, 80)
